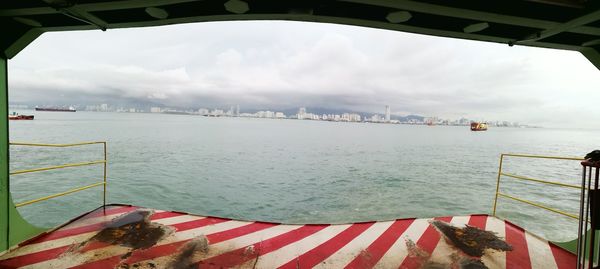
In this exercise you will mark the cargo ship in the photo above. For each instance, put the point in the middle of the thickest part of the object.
(55, 109)
(479, 126)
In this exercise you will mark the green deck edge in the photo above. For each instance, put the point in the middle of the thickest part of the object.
(13, 228)
(4, 183)
(571, 246)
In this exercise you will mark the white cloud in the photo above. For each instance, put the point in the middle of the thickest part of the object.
(290, 64)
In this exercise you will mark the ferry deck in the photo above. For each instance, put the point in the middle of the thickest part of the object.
(124, 236)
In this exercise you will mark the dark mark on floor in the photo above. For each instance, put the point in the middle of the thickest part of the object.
(471, 240)
(184, 258)
(134, 230)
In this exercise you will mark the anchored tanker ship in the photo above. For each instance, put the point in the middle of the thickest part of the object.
(55, 109)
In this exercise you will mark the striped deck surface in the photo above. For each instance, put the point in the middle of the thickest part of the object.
(131, 237)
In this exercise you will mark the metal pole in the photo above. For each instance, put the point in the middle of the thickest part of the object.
(580, 238)
(587, 213)
(594, 216)
(498, 184)
(104, 193)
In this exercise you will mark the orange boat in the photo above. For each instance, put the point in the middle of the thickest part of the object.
(479, 126)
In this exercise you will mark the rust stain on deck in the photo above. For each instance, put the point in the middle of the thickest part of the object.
(184, 257)
(134, 230)
(471, 240)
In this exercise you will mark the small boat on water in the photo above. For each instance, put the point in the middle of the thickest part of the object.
(479, 126)
(15, 116)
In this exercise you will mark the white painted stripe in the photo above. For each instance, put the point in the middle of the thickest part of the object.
(292, 251)
(231, 245)
(347, 253)
(443, 251)
(76, 258)
(396, 254)
(177, 219)
(61, 242)
(76, 239)
(494, 258)
(540, 253)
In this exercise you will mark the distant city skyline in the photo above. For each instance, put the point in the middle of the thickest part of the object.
(302, 114)
(285, 65)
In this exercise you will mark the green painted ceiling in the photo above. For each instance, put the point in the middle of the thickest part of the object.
(561, 24)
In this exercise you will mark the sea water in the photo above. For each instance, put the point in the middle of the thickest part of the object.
(295, 171)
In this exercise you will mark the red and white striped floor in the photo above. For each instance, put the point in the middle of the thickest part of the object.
(190, 241)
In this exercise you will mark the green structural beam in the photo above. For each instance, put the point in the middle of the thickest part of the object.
(4, 183)
(13, 228)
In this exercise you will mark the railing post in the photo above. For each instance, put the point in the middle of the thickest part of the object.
(104, 193)
(580, 240)
(498, 184)
(587, 238)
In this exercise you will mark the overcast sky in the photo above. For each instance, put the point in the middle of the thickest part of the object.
(279, 65)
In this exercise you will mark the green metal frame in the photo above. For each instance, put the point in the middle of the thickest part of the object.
(94, 15)
(13, 228)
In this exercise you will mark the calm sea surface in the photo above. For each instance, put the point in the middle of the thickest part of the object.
(294, 171)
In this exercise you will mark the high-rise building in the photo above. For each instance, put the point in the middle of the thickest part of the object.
(237, 110)
(387, 113)
(302, 113)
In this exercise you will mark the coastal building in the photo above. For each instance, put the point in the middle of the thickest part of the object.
(203, 111)
(376, 118)
(301, 113)
(388, 113)
(216, 113)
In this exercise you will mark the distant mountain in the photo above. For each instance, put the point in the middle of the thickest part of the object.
(321, 111)
(407, 118)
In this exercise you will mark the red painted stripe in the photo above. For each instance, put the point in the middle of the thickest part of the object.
(237, 232)
(428, 241)
(478, 221)
(326, 249)
(165, 214)
(70, 232)
(54, 253)
(95, 227)
(381, 245)
(32, 258)
(59, 233)
(168, 249)
(563, 258)
(239, 256)
(192, 224)
(519, 256)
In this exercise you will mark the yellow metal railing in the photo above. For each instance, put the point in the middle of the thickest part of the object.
(538, 205)
(104, 162)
